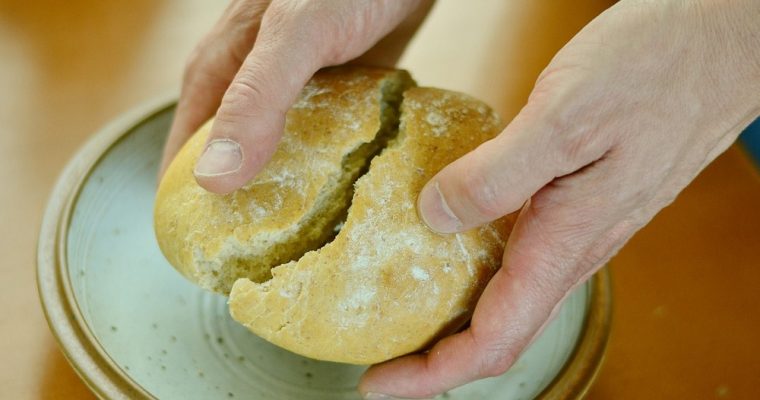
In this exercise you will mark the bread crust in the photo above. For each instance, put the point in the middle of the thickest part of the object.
(293, 204)
(386, 285)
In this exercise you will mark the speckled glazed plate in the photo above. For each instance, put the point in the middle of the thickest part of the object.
(133, 328)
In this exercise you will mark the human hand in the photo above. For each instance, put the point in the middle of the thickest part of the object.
(622, 119)
(256, 60)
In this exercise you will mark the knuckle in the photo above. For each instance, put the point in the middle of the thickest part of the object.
(351, 27)
(578, 141)
(580, 238)
(194, 61)
(243, 95)
(550, 250)
(210, 64)
(495, 358)
(483, 192)
(311, 26)
(248, 85)
(574, 145)
(199, 76)
(494, 364)
(284, 21)
(290, 17)
(252, 94)
(247, 11)
(336, 31)
(570, 117)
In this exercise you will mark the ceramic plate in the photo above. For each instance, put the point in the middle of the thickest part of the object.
(132, 327)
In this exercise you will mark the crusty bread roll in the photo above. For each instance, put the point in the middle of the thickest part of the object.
(385, 285)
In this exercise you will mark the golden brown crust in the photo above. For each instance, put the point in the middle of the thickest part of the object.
(386, 285)
(205, 236)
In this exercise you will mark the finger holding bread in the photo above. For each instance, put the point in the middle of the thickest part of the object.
(294, 41)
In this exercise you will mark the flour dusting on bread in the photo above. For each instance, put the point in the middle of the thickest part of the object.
(327, 254)
(341, 119)
(387, 285)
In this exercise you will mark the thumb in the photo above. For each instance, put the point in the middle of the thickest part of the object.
(295, 40)
(251, 117)
(499, 176)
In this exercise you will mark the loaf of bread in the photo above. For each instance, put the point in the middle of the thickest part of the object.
(358, 146)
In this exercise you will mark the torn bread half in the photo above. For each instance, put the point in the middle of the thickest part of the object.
(342, 118)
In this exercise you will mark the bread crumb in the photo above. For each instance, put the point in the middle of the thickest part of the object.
(420, 274)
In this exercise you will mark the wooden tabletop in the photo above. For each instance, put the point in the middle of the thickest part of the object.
(685, 288)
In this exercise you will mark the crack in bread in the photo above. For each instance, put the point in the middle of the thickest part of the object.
(386, 285)
(343, 118)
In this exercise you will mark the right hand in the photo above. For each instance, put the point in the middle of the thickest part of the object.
(621, 120)
(251, 67)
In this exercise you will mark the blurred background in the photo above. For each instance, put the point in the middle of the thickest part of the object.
(685, 321)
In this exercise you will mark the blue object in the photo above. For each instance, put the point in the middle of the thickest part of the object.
(750, 138)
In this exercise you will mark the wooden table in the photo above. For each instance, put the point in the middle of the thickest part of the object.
(686, 287)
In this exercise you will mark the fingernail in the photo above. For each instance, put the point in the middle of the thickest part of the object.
(221, 157)
(435, 211)
(378, 396)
